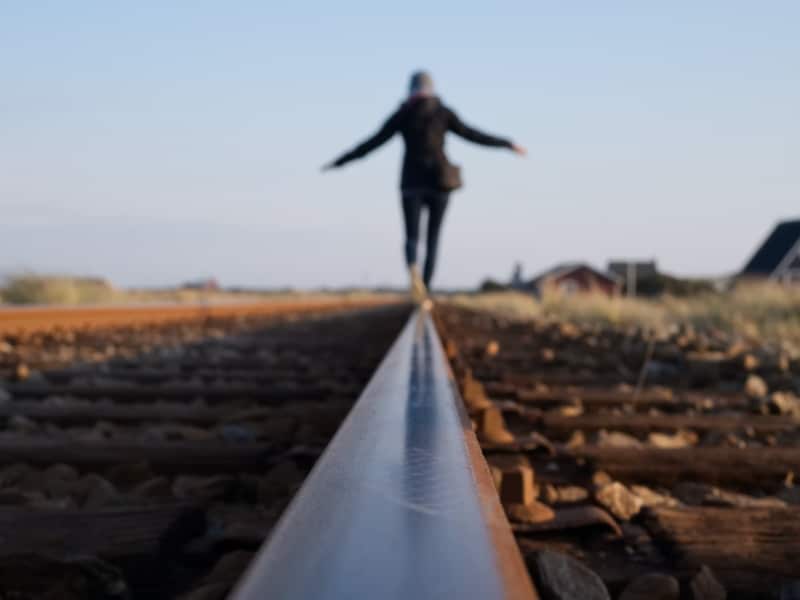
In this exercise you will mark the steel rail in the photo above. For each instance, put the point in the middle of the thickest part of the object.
(401, 504)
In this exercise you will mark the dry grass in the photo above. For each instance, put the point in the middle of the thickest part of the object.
(37, 289)
(764, 312)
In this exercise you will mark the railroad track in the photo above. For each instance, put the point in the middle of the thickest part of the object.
(684, 480)
(155, 466)
(151, 460)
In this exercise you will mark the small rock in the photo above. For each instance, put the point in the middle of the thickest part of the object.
(492, 427)
(576, 440)
(659, 370)
(601, 478)
(230, 567)
(692, 493)
(531, 513)
(280, 480)
(202, 488)
(14, 473)
(790, 495)
(652, 586)
(750, 362)
(155, 488)
(15, 497)
(62, 472)
(619, 500)
(704, 586)
(755, 387)
(101, 492)
(128, 475)
(475, 394)
(237, 433)
(65, 503)
(573, 409)
(210, 591)
(21, 372)
(22, 424)
(720, 497)
(786, 404)
(652, 498)
(547, 355)
(616, 439)
(568, 494)
(560, 577)
(681, 439)
(549, 493)
(492, 348)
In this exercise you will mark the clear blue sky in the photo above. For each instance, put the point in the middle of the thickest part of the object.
(152, 142)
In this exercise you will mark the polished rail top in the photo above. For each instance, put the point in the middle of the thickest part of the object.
(401, 504)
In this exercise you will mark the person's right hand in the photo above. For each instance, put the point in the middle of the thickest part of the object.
(521, 150)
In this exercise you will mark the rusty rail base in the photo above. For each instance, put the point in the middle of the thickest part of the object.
(401, 504)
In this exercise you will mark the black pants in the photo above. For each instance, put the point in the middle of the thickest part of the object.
(413, 203)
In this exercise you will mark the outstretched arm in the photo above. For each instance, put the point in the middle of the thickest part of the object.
(460, 128)
(387, 130)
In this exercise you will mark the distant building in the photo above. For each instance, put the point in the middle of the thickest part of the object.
(205, 285)
(778, 258)
(573, 278)
(631, 272)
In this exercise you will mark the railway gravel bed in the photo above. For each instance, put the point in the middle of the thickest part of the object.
(634, 466)
(151, 460)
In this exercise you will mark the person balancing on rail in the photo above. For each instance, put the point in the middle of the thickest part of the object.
(427, 177)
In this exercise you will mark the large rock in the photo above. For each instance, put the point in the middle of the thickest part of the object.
(653, 586)
(704, 586)
(619, 500)
(560, 577)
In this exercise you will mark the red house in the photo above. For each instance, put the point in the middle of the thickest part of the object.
(572, 278)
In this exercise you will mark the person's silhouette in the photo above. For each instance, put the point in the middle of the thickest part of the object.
(427, 177)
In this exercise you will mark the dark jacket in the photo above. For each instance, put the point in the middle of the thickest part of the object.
(423, 122)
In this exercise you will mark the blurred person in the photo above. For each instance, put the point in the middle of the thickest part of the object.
(427, 176)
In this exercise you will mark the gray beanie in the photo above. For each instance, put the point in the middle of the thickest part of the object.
(421, 83)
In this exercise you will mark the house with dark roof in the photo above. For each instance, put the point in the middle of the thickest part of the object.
(572, 278)
(778, 258)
